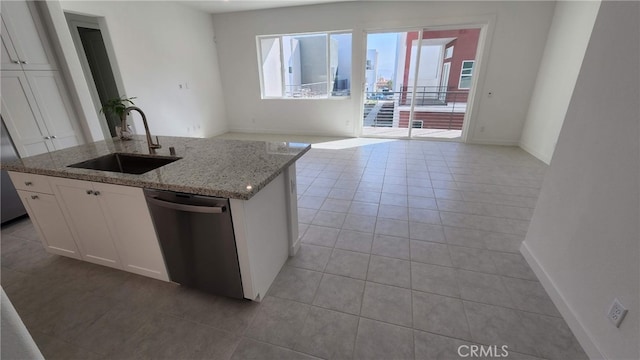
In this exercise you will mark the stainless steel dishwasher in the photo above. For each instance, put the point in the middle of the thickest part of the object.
(197, 241)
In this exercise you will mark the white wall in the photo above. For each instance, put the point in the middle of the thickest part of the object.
(566, 43)
(584, 237)
(508, 69)
(158, 45)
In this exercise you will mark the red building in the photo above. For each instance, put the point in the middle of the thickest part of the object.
(445, 70)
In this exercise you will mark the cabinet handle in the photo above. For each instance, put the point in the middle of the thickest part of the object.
(15, 61)
(47, 137)
(23, 62)
(28, 183)
(96, 193)
(53, 136)
(34, 197)
(89, 192)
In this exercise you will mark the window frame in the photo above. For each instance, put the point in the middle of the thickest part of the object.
(473, 66)
(329, 84)
(448, 54)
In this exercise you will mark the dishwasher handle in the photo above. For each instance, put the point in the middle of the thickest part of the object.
(188, 208)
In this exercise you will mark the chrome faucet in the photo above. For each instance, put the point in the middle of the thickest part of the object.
(152, 146)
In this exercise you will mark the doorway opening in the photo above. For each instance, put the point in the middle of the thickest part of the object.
(411, 93)
(97, 66)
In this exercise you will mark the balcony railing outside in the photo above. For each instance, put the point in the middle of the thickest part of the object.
(310, 90)
(380, 108)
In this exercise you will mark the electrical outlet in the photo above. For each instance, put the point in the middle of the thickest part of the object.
(616, 313)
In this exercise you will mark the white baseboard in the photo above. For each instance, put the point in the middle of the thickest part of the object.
(544, 158)
(293, 249)
(582, 335)
(492, 142)
(219, 132)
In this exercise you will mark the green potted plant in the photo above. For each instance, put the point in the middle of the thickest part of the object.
(118, 106)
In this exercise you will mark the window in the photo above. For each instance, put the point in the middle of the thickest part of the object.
(448, 52)
(466, 74)
(310, 66)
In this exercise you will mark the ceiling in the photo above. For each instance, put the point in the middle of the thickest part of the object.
(222, 6)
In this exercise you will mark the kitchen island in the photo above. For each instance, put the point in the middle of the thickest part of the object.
(115, 228)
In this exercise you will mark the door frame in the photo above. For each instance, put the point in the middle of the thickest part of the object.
(485, 23)
(75, 21)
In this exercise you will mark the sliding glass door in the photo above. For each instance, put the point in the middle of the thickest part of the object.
(417, 82)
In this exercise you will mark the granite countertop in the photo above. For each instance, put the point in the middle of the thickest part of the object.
(235, 169)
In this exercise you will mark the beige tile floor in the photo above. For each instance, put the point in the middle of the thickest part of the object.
(409, 250)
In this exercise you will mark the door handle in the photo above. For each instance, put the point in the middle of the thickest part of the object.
(188, 208)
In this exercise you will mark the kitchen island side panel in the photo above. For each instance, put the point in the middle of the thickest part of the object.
(261, 226)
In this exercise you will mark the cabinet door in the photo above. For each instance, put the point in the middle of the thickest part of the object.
(82, 210)
(9, 55)
(52, 98)
(24, 27)
(127, 215)
(50, 224)
(22, 116)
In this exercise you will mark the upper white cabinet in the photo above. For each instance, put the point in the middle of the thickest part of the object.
(25, 45)
(50, 94)
(35, 102)
(22, 116)
(9, 55)
(37, 112)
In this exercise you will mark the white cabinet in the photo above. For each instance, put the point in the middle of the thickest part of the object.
(37, 112)
(50, 94)
(112, 225)
(127, 215)
(22, 115)
(35, 102)
(50, 224)
(25, 45)
(31, 182)
(41, 205)
(9, 55)
(82, 210)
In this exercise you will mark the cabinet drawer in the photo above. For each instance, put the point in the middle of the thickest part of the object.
(31, 182)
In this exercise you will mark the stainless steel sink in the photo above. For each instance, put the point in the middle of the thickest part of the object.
(126, 163)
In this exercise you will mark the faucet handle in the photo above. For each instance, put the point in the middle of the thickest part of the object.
(157, 144)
